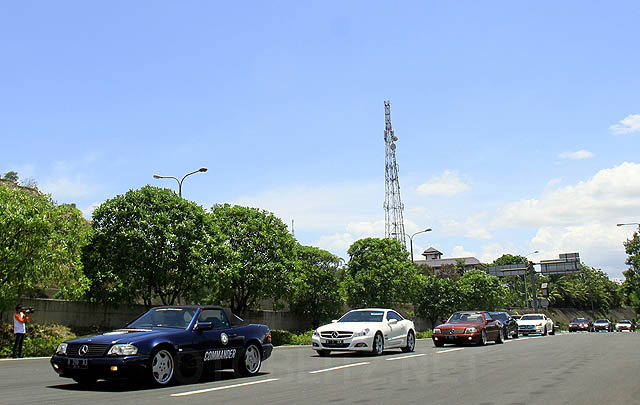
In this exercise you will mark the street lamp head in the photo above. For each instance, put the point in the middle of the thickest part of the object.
(428, 230)
(156, 176)
(203, 169)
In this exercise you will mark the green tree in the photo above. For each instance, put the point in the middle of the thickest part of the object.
(12, 176)
(436, 298)
(40, 245)
(379, 274)
(315, 291)
(480, 290)
(147, 243)
(257, 260)
(631, 285)
(516, 284)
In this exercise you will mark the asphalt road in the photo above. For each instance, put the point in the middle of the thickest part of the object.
(576, 368)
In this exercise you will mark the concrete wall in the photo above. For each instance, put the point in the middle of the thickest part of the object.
(84, 314)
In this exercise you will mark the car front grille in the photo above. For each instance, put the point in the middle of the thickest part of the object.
(93, 350)
(336, 335)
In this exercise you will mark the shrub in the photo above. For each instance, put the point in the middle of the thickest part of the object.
(41, 340)
(284, 337)
(424, 335)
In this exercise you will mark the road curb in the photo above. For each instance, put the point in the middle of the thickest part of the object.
(26, 358)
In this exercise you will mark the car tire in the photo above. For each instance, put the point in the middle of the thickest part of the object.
(85, 380)
(500, 338)
(161, 367)
(553, 330)
(378, 344)
(545, 331)
(249, 362)
(483, 338)
(411, 342)
(323, 353)
(438, 344)
(516, 335)
(505, 333)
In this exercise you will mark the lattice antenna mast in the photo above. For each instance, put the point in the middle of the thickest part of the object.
(393, 207)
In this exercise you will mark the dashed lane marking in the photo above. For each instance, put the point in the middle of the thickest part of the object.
(226, 387)
(339, 367)
(450, 350)
(405, 357)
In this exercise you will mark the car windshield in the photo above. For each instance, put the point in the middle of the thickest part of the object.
(362, 316)
(579, 320)
(624, 322)
(602, 321)
(532, 317)
(501, 316)
(466, 317)
(164, 317)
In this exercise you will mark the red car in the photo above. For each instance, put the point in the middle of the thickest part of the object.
(468, 327)
(580, 324)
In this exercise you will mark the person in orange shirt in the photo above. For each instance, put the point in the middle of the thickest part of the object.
(19, 330)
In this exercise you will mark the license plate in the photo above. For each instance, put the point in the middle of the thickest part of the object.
(334, 342)
(451, 337)
(77, 363)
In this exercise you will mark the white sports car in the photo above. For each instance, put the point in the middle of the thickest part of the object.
(365, 330)
(536, 323)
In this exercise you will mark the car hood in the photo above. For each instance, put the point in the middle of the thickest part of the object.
(531, 322)
(125, 335)
(350, 326)
(458, 325)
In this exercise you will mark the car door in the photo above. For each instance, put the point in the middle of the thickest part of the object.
(491, 327)
(214, 338)
(397, 329)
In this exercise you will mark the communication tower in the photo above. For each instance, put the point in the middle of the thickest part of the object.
(393, 207)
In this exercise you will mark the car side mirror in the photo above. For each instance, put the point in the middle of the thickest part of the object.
(204, 326)
(334, 321)
(393, 321)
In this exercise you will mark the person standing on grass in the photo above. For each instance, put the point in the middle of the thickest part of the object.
(19, 330)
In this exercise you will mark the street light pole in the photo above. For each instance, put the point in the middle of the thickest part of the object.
(157, 176)
(411, 240)
(526, 298)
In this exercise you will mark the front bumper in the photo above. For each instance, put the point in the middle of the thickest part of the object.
(604, 328)
(530, 329)
(457, 337)
(359, 344)
(101, 367)
(575, 328)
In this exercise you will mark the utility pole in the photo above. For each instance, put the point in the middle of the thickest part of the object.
(534, 297)
(393, 207)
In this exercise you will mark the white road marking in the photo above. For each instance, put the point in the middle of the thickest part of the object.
(339, 367)
(450, 350)
(184, 394)
(405, 357)
(26, 358)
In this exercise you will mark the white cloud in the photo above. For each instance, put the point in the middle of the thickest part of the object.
(64, 188)
(88, 211)
(335, 242)
(459, 251)
(609, 197)
(629, 125)
(581, 154)
(447, 184)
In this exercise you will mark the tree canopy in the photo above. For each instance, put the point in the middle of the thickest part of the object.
(147, 243)
(379, 274)
(40, 245)
(257, 259)
(315, 289)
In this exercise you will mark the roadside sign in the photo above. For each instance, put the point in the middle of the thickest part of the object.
(508, 270)
(567, 263)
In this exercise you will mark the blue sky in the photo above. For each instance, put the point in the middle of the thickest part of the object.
(518, 122)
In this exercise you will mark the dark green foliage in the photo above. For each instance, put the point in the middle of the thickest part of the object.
(256, 258)
(315, 289)
(631, 285)
(11, 176)
(147, 243)
(482, 291)
(41, 340)
(436, 298)
(379, 274)
(40, 245)
(284, 337)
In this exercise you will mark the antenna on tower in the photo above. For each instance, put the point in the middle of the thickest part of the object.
(393, 207)
(293, 230)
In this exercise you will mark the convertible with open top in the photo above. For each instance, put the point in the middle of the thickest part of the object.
(166, 344)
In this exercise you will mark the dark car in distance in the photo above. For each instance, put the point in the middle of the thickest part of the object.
(603, 324)
(509, 325)
(468, 327)
(165, 344)
(578, 324)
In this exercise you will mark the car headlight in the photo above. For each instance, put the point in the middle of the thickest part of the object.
(316, 333)
(470, 330)
(437, 330)
(62, 348)
(122, 350)
(364, 332)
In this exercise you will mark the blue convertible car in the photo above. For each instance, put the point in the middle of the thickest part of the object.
(172, 343)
